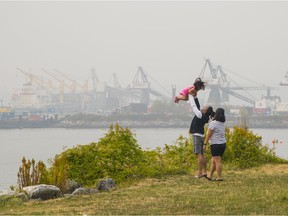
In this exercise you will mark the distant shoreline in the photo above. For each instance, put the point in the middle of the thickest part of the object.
(167, 122)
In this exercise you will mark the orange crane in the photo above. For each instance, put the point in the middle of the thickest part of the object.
(61, 85)
(74, 84)
(34, 79)
(62, 82)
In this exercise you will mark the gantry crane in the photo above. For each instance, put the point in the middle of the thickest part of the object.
(61, 81)
(116, 83)
(140, 80)
(73, 82)
(141, 87)
(36, 90)
(221, 89)
(61, 85)
(285, 80)
(47, 85)
(94, 79)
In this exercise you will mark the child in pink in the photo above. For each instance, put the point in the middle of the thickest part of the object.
(192, 90)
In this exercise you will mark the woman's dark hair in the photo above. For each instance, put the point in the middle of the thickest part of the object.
(220, 115)
(199, 84)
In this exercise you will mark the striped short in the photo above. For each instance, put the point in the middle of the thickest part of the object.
(198, 145)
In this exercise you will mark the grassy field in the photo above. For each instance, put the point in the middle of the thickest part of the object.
(258, 191)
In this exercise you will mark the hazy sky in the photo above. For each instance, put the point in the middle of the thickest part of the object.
(168, 39)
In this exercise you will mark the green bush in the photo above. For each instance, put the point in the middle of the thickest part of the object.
(116, 155)
(172, 159)
(179, 157)
(244, 149)
(152, 164)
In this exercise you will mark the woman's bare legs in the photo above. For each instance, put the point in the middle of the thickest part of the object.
(212, 168)
(216, 165)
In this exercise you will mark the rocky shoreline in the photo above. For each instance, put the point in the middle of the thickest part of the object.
(167, 122)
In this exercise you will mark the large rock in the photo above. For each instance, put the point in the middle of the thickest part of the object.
(85, 191)
(42, 192)
(71, 186)
(106, 185)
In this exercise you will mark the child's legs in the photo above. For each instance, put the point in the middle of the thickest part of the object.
(182, 97)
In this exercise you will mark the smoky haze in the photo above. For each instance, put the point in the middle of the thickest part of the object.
(168, 39)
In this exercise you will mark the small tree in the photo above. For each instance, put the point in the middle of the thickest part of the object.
(31, 173)
(58, 173)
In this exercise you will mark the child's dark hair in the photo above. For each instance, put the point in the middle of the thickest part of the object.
(220, 115)
(212, 114)
(199, 84)
(209, 111)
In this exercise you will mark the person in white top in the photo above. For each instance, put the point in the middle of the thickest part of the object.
(216, 135)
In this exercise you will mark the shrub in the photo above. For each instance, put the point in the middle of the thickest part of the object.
(152, 164)
(172, 159)
(116, 155)
(244, 149)
(179, 157)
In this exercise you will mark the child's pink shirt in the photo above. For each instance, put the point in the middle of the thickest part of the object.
(185, 91)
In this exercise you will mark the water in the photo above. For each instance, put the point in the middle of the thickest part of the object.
(43, 144)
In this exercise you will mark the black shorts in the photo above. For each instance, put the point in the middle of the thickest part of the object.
(218, 149)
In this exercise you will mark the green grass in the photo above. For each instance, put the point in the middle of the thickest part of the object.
(258, 191)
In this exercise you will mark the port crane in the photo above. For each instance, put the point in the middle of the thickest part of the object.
(94, 79)
(285, 80)
(141, 87)
(35, 86)
(47, 85)
(62, 85)
(74, 84)
(61, 81)
(116, 82)
(140, 80)
(221, 88)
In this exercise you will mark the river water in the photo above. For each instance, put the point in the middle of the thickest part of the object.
(43, 144)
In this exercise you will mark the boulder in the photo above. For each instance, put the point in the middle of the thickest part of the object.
(106, 184)
(85, 191)
(71, 186)
(42, 192)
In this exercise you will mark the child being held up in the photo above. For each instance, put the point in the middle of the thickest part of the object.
(192, 90)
